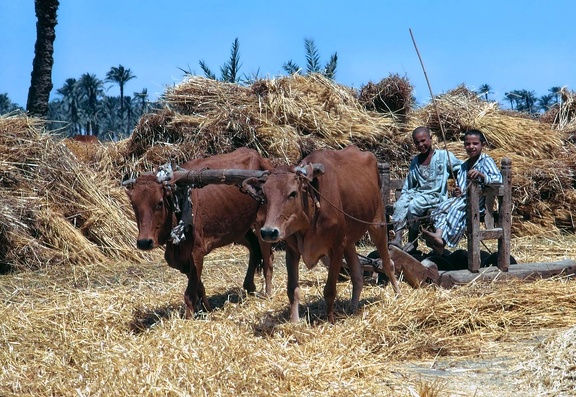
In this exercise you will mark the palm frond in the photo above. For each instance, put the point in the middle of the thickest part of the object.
(312, 57)
(330, 68)
(207, 72)
(291, 68)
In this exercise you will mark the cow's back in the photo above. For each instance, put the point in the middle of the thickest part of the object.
(350, 179)
(242, 158)
(222, 213)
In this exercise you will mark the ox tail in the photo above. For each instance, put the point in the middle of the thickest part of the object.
(255, 251)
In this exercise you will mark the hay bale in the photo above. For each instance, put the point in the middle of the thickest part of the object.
(392, 96)
(57, 209)
(281, 118)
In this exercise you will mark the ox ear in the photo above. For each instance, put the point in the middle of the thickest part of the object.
(310, 170)
(253, 186)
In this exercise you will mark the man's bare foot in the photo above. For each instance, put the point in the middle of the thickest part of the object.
(396, 240)
(434, 239)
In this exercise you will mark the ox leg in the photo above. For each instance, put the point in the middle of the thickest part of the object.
(356, 275)
(293, 288)
(330, 287)
(195, 289)
(267, 267)
(191, 294)
(250, 241)
(261, 258)
(379, 236)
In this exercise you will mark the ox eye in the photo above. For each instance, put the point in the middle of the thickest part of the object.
(159, 206)
(293, 194)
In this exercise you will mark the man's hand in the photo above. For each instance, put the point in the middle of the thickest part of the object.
(475, 174)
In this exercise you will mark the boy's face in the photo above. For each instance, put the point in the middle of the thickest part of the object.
(473, 145)
(422, 141)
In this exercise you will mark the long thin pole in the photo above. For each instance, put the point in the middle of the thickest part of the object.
(435, 107)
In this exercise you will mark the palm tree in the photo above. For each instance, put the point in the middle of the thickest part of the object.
(313, 62)
(545, 102)
(111, 122)
(91, 91)
(555, 91)
(484, 89)
(41, 77)
(120, 76)
(142, 97)
(525, 100)
(229, 72)
(6, 105)
(71, 103)
(509, 96)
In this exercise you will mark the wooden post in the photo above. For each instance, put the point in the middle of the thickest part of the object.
(473, 225)
(505, 216)
(384, 170)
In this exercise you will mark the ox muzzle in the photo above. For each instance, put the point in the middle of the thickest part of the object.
(270, 234)
(145, 244)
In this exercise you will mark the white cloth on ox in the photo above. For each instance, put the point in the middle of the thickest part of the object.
(183, 208)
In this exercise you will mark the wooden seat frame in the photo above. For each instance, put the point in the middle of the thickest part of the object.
(494, 223)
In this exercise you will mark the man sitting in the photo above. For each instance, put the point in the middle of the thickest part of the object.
(425, 187)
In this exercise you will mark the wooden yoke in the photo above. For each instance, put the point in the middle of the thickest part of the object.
(498, 221)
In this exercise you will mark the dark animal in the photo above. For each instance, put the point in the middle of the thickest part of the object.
(221, 215)
(321, 208)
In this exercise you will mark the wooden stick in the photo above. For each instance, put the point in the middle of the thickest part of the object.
(434, 104)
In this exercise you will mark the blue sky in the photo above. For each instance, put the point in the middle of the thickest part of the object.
(507, 44)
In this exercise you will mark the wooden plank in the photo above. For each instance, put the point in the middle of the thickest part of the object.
(490, 234)
(526, 271)
(473, 225)
(217, 176)
(505, 215)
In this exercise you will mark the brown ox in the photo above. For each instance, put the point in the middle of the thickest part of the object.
(221, 215)
(85, 138)
(321, 209)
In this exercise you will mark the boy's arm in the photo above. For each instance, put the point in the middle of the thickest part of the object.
(491, 172)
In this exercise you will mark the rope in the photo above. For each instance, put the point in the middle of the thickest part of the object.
(356, 219)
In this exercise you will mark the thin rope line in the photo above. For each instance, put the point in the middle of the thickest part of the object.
(356, 219)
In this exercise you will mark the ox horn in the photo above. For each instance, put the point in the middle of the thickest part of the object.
(128, 182)
(311, 170)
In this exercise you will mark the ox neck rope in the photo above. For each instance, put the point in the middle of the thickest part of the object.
(182, 207)
(313, 193)
(338, 209)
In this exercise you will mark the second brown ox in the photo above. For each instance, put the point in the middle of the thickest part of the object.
(220, 215)
(321, 208)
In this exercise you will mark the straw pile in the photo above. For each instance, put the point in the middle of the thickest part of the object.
(118, 330)
(391, 96)
(282, 118)
(561, 115)
(551, 370)
(56, 210)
